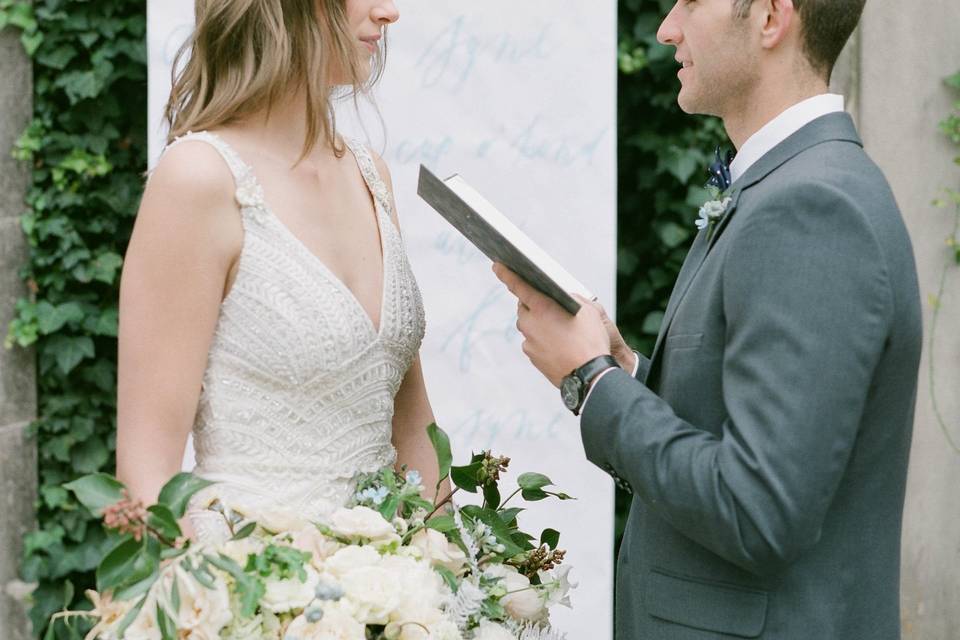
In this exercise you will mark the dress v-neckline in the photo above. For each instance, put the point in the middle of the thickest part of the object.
(375, 328)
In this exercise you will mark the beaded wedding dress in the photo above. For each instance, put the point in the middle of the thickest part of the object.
(298, 394)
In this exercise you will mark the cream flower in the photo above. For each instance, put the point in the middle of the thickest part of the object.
(351, 557)
(319, 546)
(492, 631)
(374, 591)
(438, 550)
(423, 592)
(202, 613)
(291, 593)
(522, 601)
(336, 624)
(279, 520)
(109, 612)
(362, 522)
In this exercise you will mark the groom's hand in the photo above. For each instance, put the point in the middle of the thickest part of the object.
(555, 341)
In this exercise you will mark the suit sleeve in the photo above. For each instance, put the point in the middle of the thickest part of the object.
(807, 304)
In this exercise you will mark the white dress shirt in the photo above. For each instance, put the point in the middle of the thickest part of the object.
(781, 128)
(757, 146)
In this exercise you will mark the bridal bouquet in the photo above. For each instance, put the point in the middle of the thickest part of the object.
(389, 566)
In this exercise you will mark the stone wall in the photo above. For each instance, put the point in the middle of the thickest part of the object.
(18, 458)
(895, 74)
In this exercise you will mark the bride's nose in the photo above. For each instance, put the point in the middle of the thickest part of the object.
(385, 13)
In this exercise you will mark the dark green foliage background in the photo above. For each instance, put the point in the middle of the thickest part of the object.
(663, 156)
(87, 146)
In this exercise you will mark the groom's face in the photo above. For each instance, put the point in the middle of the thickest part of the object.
(717, 52)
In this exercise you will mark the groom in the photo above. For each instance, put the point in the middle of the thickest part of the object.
(766, 439)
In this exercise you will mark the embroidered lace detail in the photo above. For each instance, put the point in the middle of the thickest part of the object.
(298, 393)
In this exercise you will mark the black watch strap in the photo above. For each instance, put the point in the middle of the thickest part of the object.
(589, 371)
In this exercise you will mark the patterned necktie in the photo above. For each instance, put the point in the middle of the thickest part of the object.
(719, 171)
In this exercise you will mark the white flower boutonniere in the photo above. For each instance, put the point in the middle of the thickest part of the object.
(712, 212)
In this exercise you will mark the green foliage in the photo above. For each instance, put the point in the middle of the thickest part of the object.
(950, 127)
(663, 157)
(86, 145)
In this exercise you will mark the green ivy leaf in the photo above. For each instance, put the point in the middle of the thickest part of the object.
(176, 494)
(89, 455)
(96, 491)
(52, 318)
(106, 267)
(69, 351)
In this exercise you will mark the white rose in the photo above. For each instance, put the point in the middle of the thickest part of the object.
(522, 601)
(319, 546)
(492, 631)
(422, 591)
(349, 558)
(439, 550)
(336, 624)
(291, 593)
(374, 590)
(203, 612)
(361, 522)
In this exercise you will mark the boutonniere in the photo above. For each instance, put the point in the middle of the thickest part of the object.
(712, 212)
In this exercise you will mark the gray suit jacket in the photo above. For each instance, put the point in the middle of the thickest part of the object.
(767, 446)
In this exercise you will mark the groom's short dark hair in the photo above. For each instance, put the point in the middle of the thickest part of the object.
(827, 25)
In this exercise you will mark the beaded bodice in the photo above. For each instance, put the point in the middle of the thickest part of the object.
(298, 393)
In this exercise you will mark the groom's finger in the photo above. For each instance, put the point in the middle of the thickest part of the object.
(517, 285)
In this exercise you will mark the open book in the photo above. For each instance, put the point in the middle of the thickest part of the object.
(498, 238)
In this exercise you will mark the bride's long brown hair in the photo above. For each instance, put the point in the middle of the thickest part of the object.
(245, 54)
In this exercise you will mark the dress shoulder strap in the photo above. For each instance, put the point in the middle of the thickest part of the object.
(249, 193)
(368, 168)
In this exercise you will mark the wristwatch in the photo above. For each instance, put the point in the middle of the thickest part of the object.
(574, 387)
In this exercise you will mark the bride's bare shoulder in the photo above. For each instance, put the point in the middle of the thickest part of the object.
(192, 170)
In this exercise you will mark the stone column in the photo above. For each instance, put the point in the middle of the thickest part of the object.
(906, 50)
(18, 395)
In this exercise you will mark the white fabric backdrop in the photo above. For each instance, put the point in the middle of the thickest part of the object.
(520, 99)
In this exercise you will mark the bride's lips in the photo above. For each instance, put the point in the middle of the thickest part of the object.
(371, 43)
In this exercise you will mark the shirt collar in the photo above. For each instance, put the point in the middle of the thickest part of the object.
(781, 128)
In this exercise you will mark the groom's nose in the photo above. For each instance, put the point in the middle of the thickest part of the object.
(669, 31)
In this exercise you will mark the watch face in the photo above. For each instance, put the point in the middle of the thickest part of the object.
(570, 392)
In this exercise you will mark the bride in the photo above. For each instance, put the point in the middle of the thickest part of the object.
(266, 301)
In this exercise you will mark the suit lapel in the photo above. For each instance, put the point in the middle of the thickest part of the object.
(835, 126)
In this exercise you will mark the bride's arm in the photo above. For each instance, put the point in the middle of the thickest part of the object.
(412, 412)
(412, 415)
(186, 237)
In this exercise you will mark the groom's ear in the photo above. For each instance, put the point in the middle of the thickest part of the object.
(779, 23)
